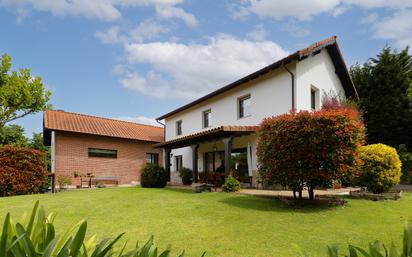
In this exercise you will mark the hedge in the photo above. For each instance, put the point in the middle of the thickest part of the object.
(22, 171)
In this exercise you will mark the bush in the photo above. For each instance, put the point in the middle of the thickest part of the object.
(381, 168)
(37, 236)
(63, 181)
(153, 176)
(309, 149)
(231, 185)
(22, 171)
(186, 175)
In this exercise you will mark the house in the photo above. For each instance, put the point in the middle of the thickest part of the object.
(108, 149)
(215, 135)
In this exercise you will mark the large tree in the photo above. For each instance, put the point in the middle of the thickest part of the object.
(20, 93)
(383, 84)
(13, 135)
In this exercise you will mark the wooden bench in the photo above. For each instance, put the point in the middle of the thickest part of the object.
(106, 180)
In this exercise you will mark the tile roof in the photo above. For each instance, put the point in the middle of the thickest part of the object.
(79, 123)
(210, 133)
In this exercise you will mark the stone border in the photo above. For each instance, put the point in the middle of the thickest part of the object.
(361, 194)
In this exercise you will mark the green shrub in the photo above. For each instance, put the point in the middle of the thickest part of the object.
(22, 171)
(36, 237)
(186, 175)
(231, 185)
(381, 168)
(63, 181)
(153, 176)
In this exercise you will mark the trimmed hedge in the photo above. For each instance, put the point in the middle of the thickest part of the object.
(22, 171)
(153, 176)
(310, 149)
(381, 168)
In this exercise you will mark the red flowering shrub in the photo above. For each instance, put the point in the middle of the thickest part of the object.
(22, 171)
(309, 149)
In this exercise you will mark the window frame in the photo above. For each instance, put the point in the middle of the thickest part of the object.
(208, 111)
(154, 158)
(177, 158)
(314, 98)
(92, 154)
(241, 106)
(179, 127)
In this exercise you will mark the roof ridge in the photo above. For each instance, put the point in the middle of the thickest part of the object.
(104, 118)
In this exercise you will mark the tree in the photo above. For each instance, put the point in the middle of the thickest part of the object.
(309, 149)
(36, 142)
(21, 94)
(383, 84)
(13, 135)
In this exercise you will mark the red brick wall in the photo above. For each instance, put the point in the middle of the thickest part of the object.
(71, 155)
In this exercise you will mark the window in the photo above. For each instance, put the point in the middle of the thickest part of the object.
(314, 96)
(178, 162)
(206, 118)
(152, 158)
(105, 153)
(179, 127)
(244, 106)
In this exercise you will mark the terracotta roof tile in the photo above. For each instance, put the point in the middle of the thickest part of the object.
(86, 124)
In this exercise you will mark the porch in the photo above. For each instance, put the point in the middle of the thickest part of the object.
(217, 153)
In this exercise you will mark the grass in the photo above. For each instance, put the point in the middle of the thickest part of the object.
(223, 224)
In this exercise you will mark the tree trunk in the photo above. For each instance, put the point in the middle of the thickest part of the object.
(311, 193)
(294, 194)
(300, 194)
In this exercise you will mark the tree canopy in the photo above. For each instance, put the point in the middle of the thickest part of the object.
(21, 94)
(383, 84)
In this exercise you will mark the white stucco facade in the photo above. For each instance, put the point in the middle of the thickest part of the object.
(270, 94)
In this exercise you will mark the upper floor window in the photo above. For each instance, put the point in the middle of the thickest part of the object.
(152, 158)
(179, 127)
(244, 106)
(105, 153)
(206, 118)
(314, 98)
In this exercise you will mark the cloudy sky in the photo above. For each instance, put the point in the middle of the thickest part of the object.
(138, 59)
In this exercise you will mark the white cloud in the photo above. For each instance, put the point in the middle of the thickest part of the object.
(396, 27)
(167, 11)
(109, 36)
(192, 70)
(140, 120)
(146, 30)
(307, 9)
(258, 34)
(107, 10)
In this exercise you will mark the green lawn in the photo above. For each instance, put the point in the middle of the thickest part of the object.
(223, 224)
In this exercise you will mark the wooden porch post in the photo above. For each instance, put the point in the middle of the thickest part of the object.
(194, 161)
(228, 151)
(167, 162)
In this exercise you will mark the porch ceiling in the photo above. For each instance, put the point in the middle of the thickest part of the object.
(208, 135)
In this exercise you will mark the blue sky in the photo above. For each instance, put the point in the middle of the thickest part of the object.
(138, 59)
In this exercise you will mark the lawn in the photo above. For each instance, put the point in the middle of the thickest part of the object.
(223, 224)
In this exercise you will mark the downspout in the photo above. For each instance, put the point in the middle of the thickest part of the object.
(292, 77)
(165, 152)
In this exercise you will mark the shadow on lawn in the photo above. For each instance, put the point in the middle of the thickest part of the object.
(272, 204)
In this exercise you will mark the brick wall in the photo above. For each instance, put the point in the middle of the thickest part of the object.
(71, 155)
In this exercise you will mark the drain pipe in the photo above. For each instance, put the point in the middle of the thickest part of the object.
(164, 129)
(292, 77)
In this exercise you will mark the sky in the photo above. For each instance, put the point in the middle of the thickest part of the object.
(136, 60)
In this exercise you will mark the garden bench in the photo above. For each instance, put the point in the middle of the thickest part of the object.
(106, 180)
